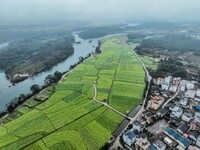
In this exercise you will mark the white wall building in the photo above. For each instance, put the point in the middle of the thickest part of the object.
(176, 112)
(165, 86)
(190, 85)
(198, 93)
(129, 137)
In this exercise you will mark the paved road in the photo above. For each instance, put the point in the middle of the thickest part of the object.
(171, 98)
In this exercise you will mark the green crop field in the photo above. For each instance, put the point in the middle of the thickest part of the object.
(150, 62)
(70, 118)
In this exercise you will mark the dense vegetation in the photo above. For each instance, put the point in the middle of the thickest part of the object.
(172, 42)
(169, 67)
(34, 55)
(134, 37)
(99, 32)
(69, 118)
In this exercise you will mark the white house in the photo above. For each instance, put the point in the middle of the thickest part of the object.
(197, 114)
(198, 93)
(138, 126)
(184, 102)
(159, 145)
(182, 88)
(190, 85)
(187, 116)
(198, 141)
(168, 79)
(173, 88)
(129, 137)
(176, 112)
(165, 86)
(190, 94)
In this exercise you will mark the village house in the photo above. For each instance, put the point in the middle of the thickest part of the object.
(182, 88)
(168, 79)
(142, 143)
(176, 81)
(165, 86)
(182, 141)
(176, 112)
(190, 86)
(195, 124)
(138, 126)
(197, 114)
(155, 102)
(158, 145)
(159, 81)
(195, 136)
(148, 116)
(198, 93)
(162, 113)
(182, 128)
(184, 102)
(187, 116)
(173, 88)
(190, 94)
(129, 137)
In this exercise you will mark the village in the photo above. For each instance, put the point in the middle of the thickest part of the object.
(171, 119)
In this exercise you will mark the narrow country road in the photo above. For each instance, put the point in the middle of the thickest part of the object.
(171, 98)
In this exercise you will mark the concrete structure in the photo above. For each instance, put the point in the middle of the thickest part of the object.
(190, 94)
(168, 79)
(161, 113)
(198, 93)
(173, 88)
(176, 81)
(165, 86)
(138, 126)
(129, 137)
(187, 116)
(184, 102)
(159, 145)
(182, 128)
(155, 102)
(195, 124)
(176, 112)
(190, 85)
(142, 143)
(159, 81)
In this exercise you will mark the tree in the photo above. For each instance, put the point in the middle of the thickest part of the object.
(57, 76)
(35, 88)
(21, 98)
(49, 79)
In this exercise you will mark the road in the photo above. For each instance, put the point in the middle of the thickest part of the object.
(148, 78)
(171, 98)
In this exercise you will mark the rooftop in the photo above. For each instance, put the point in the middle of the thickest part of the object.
(129, 134)
(159, 144)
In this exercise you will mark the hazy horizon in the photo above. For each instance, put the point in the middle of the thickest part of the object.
(32, 11)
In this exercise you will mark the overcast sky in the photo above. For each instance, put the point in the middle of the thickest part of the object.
(36, 10)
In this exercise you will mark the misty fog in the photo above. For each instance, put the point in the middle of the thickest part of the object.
(30, 11)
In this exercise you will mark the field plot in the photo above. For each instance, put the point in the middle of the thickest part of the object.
(70, 118)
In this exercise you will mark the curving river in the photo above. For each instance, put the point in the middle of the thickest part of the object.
(8, 93)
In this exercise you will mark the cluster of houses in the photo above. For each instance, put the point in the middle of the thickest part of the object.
(164, 88)
(182, 115)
